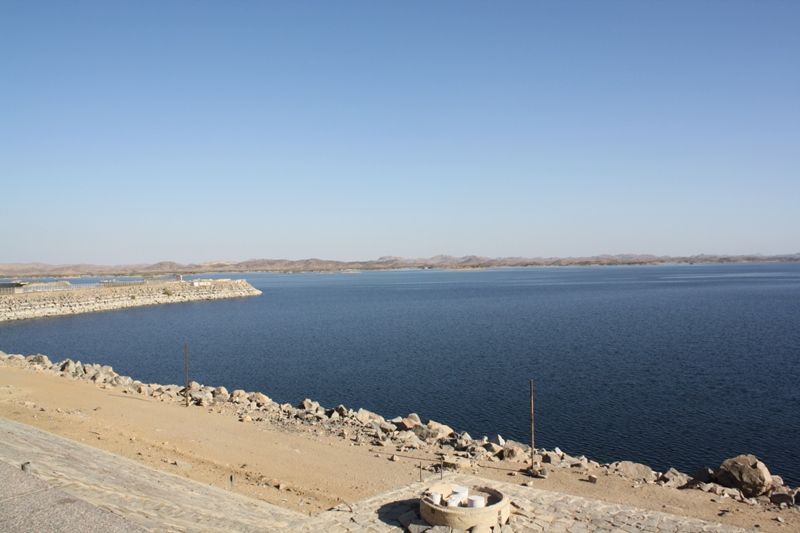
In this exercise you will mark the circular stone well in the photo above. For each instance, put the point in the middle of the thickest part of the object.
(474, 519)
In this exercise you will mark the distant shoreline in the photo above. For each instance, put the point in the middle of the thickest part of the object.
(40, 270)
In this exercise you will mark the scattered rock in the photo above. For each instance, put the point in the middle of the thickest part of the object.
(406, 424)
(461, 464)
(514, 451)
(745, 478)
(443, 430)
(39, 359)
(780, 498)
(308, 405)
(261, 399)
(731, 493)
(418, 526)
(541, 473)
(492, 448)
(673, 478)
(497, 439)
(704, 475)
(552, 458)
(406, 518)
(635, 471)
(363, 416)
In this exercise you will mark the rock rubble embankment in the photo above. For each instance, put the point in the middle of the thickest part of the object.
(743, 478)
(69, 302)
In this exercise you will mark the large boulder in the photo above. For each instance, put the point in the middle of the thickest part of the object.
(746, 473)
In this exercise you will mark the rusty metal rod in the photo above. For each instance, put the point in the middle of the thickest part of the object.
(533, 448)
(186, 390)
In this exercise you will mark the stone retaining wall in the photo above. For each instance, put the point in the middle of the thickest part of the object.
(43, 304)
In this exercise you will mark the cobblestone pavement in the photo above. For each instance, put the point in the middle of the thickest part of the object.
(155, 500)
(532, 510)
(30, 505)
(159, 501)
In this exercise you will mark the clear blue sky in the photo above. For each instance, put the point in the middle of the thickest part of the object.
(194, 131)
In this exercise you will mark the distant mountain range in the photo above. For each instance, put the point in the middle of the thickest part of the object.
(21, 270)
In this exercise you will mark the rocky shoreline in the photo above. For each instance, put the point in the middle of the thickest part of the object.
(743, 478)
(70, 302)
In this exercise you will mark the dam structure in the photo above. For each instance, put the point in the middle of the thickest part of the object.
(56, 299)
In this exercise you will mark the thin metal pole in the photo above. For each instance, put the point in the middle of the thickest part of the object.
(532, 441)
(186, 390)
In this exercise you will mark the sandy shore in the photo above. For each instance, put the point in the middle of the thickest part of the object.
(287, 465)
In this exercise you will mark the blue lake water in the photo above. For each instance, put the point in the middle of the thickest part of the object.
(675, 365)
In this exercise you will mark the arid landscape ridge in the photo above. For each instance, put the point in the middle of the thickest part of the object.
(384, 263)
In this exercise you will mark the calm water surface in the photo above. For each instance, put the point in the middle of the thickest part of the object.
(679, 365)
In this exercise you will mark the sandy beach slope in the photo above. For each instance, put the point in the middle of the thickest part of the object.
(300, 467)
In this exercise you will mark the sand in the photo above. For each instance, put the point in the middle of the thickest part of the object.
(287, 466)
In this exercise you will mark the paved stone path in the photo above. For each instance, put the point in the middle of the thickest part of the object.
(161, 502)
(30, 505)
(532, 510)
(155, 500)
